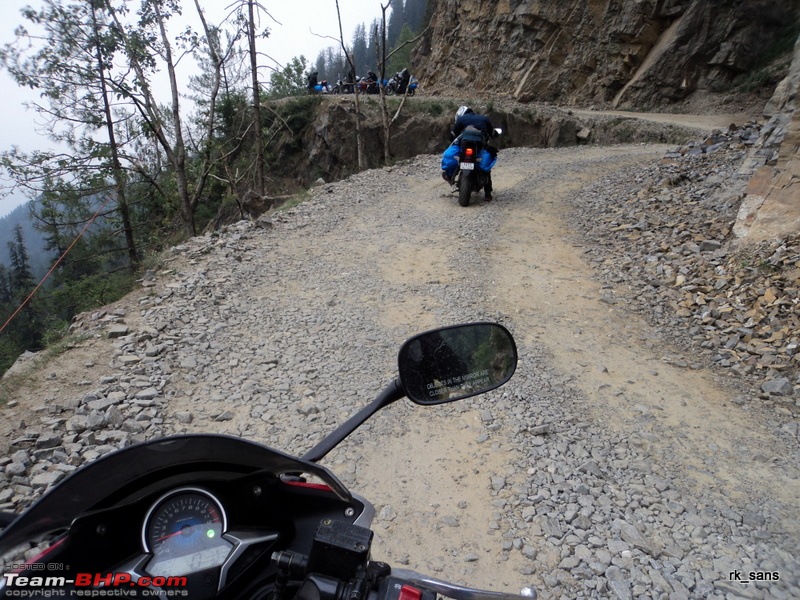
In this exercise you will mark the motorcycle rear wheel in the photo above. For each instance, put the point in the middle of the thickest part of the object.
(464, 188)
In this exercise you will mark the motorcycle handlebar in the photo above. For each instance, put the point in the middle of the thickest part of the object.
(458, 592)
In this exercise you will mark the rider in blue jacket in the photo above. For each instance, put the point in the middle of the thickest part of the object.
(466, 117)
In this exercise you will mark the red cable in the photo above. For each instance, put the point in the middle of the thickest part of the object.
(55, 264)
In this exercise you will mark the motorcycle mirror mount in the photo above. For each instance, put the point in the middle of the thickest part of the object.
(438, 366)
(394, 391)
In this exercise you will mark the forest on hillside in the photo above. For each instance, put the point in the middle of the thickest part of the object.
(133, 172)
(405, 22)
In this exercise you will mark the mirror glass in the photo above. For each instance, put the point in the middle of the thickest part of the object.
(456, 362)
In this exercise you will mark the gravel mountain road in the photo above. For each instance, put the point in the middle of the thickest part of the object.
(605, 468)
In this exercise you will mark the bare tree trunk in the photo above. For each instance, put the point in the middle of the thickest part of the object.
(251, 39)
(359, 137)
(387, 123)
(207, 153)
(387, 152)
(179, 152)
(116, 164)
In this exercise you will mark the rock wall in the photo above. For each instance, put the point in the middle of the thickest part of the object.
(771, 206)
(620, 53)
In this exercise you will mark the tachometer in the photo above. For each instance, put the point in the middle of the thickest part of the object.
(183, 531)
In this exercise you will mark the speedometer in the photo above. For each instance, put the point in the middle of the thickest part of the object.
(183, 532)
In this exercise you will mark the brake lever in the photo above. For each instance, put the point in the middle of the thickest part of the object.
(457, 592)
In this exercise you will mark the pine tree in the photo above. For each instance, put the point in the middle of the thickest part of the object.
(395, 25)
(74, 74)
(373, 37)
(414, 14)
(20, 276)
(361, 59)
(336, 64)
(401, 57)
(321, 67)
(331, 66)
(5, 290)
(290, 81)
(26, 329)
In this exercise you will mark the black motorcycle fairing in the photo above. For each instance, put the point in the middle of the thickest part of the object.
(133, 472)
(265, 513)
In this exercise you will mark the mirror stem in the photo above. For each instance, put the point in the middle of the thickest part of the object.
(394, 391)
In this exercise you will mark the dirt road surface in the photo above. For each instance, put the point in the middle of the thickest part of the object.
(702, 122)
(454, 486)
(535, 274)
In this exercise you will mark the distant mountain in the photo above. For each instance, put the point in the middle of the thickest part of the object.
(39, 258)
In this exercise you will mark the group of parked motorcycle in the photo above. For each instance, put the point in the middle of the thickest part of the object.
(398, 85)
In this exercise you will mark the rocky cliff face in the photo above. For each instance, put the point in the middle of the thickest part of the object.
(771, 207)
(620, 53)
(639, 54)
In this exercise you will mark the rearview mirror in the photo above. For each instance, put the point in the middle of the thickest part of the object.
(456, 362)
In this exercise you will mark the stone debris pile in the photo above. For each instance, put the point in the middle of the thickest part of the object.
(115, 411)
(662, 239)
(746, 136)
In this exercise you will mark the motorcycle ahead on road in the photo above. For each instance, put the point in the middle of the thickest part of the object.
(472, 161)
(215, 516)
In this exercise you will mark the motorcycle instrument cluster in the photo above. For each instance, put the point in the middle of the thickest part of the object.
(183, 530)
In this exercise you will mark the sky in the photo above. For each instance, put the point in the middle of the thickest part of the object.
(292, 33)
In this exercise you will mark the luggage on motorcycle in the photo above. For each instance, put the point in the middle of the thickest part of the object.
(471, 134)
(450, 159)
(486, 161)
